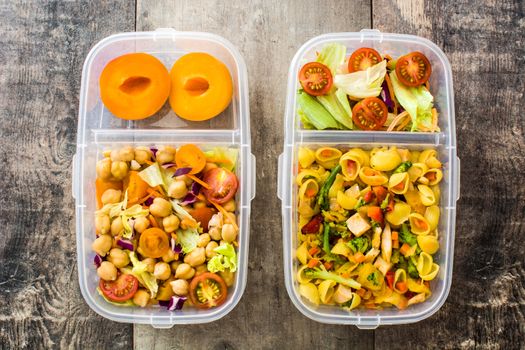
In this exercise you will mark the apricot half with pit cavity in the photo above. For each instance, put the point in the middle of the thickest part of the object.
(134, 86)
(201, 87)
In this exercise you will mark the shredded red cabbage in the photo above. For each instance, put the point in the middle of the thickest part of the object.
(174, 304)
(385, 96)
(181, 171)
(195, 188)
(148, 201)
(168, 165)
(154, 151)
(189, 199)
(125, 244)
(97, 260)
(177, 248)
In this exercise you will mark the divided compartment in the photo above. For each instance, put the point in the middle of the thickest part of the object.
(443, 142)
(99, 130)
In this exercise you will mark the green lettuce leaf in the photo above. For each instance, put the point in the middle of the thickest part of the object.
(187, 239)
(226, 258)
(134, 211)
(114, 209)
(315, 113)
(333, 56)
(224, 157)
(417, 101)
(154, 175)
(363, 83)
(145, 278)
(332, 104)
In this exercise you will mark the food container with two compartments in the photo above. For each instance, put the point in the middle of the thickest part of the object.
(444, 142)
(99, 130)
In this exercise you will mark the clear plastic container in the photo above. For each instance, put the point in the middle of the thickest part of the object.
(444, 142)
(99, 130)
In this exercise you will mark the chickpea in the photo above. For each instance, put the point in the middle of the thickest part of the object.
(141, 298)
(102, 225)
(142, 154)
(106, 153)
(162, 271)
(171, 223)
(228, 233)
(199, 270)
(119, 170)
(203, 240)
(111, 196)
(216, 220)
(104, 168)
(175, 264)
(102, 244)
(166, 154)
(150, 262)
(107, 271)
(184, 178)
(169, 256)
(180, 287)
(228, 277)
(118, 257)
(209, 166)
(230, 218)
(184, 271)
(210, 253)
(229, 205)
(215, 233)
(199, 204)
(177, 189)
(126, 154)
(196, 257)
(160, 207)
(141, 223)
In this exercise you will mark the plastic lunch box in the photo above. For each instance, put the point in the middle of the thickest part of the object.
(444, 142)
(99, 130)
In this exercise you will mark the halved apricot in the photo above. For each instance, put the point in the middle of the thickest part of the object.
(201, 87)
(134, 86)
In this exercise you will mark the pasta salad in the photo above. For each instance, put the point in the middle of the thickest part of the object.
(367, 226)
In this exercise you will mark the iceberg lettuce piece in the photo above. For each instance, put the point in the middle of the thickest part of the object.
(332, 103)
(333, 56)
(223, 156)
(363, 83)
(226, 258)
(187, 239)
(139, 270)
(134, 211)
(315, 113)
(154, 175)
(417, 101)
(114, 209)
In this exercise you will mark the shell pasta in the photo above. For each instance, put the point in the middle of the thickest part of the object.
(367, 227)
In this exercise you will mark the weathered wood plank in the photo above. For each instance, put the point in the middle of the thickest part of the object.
(484, 43)
(43, 46)
(267, 34)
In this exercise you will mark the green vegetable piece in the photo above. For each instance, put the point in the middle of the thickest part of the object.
(359, 203)
(405, 236)
(332, 55)
(385, 202)
(411, 269)
(403, 167)
(226, 258)
(331, 103)
(321, 199)
(374, 278)
(315, 113)
(327, 275)
(359, 244)
(326, 238)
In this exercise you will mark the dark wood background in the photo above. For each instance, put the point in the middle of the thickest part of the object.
(42, 48)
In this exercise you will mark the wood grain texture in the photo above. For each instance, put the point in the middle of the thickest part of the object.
(268, 34)
(484, 43)
(43, 46)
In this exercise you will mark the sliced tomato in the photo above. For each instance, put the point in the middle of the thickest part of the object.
(390, 279)
(207, 290)
(370, 114)
(223, 185)
(313, 225)
(368, 197)
(122, 289)
(202, 215)
(315, 78)
(413, 69)
(381, 193)
(363, 58)
(376, 214)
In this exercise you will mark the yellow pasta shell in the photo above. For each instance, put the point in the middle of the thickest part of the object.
(356, 300)
(427, 195)
(306, 174)
(326, 291)
(432, 274)
(361, 155)
(398, 183)
(432, 215)
(340, 248)
(400, 276)
(346, 202)
(429, 244)
(350, 166)
(399, 215)
(336, 186)
(424, 263)
(301, 278)
(306, 157)
(437, 193)
(309, 292)
(302, 253)
(418, 224)
(327, 157)
(385, 159)
(426, 154)
(404, 154)
(305, 210)
(433, 163)
(417, 287)
(416, 171)
(434, 176)
(372, 177)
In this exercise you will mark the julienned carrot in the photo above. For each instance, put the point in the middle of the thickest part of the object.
(401, 286)
(314, 251)
(152, 221)
(313, 263)
(199, 181)
(395, 244)
(395, 235)
(224, 213)
(328, 265)
(154, 193)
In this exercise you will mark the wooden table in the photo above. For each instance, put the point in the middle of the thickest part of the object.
(42, 47)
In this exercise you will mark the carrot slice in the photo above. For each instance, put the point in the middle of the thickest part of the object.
(401, 286)
(395, 235)
(136, 187)
(313, 263)
(199, 181)
(313, 251)
(190, 156)
(405, 248)
(152, 221)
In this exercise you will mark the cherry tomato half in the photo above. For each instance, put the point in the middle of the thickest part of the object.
(413, 69)
(223, 185)
(315, 78)
(207, 290)
(362, 59)
(122, 289)
(370, 114)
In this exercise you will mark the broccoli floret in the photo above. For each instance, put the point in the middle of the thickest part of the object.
(327, 275)
(359, 203)
(405, 236)
(411, 269)
(374, 278)
(359, 244)
(403, 167)
(385, 202)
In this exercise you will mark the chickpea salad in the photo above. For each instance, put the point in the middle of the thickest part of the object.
(166, 229)
(367, 226)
